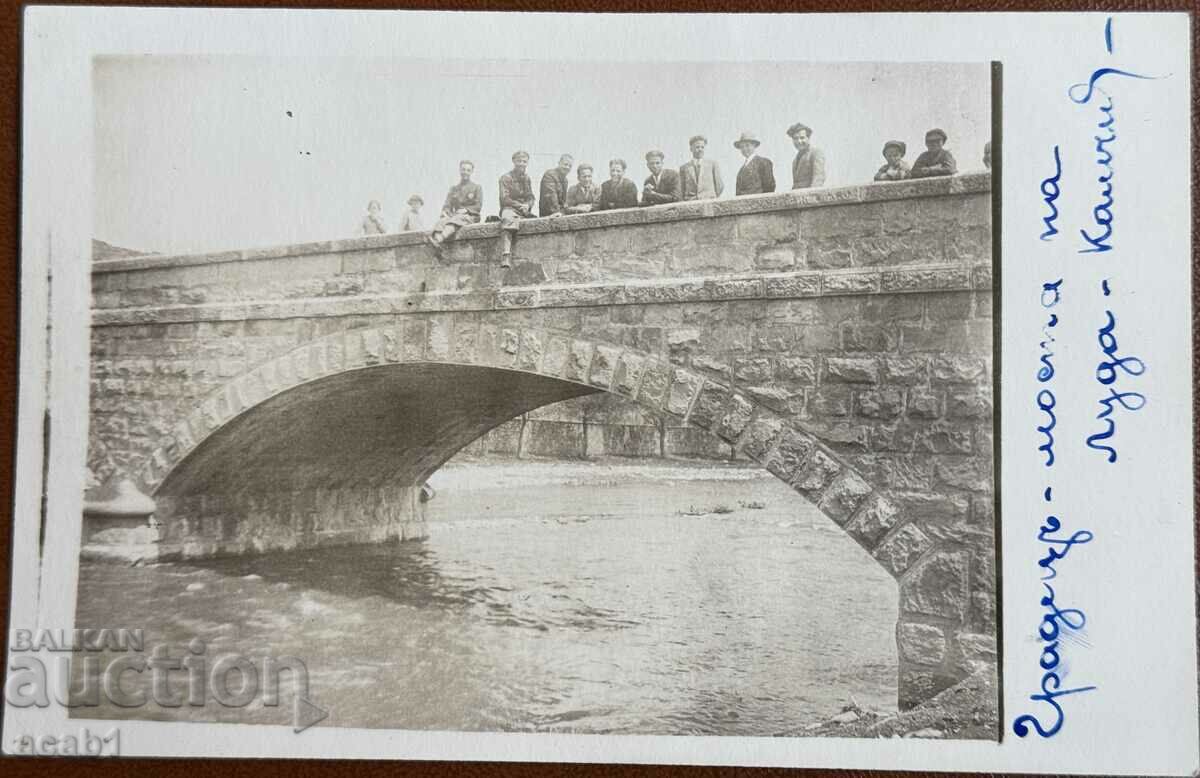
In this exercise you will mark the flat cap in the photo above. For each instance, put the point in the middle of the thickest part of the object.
(936, 133)
(795, 128)
(898, 144)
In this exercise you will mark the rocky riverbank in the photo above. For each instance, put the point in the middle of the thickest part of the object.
(966, 711)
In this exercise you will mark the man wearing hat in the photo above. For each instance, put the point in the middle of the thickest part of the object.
(896, 168)
(700, 178)
(552, 195)
(808, 168)
(661, 186)
(516, 203)
(935, 160)
(411, 220)
(757, 174)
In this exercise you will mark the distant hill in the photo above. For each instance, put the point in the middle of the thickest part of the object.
(102, 251)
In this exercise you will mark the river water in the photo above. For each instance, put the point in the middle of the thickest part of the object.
(550, 597)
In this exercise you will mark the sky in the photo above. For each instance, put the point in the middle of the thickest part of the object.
(197, 154)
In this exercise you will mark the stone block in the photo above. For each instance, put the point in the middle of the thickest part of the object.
(628, 374)
(735, 418)
(924, 404)
(709, 405)
(530, 352)
(856, 282)
(438, 338)
(918, 247)
(983, 509)
(921, 644)
(909, 371)
(579, 359)
(917, 684)
(815, 472)
(783, 398)
(970, 473)
(712, 364)
(604, 366)
(774, 337)
(933, 507)
(898, 552)
(844, 496)
(760, 435)
(937, 586)
(775, 257)
(926, 279)
(968, 405)
(681, 343)
(656, 381)
(801, 370)
(799, 285)
(752, 370)
(870, 337)
(886, 403)
(683, 388)
(875, 518)
(851, 370)
(830, 401)
(554, 361)
(948, 306)
(790, 452)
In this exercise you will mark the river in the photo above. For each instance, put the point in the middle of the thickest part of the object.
(641, 598)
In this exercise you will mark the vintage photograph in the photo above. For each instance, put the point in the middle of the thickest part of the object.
(514, 396)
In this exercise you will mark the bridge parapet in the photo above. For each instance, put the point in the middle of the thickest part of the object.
(806, 242)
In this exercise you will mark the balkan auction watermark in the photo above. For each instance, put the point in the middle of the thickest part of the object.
(93, 668)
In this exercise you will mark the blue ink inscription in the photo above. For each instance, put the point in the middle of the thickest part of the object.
(1055, 622)
(1050, 193)
(1045, 397)
(1111, 368)
(1081, 94)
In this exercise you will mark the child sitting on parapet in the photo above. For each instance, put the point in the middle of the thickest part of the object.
(896, 168)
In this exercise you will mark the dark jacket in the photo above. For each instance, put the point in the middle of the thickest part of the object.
(613, 196)
(516, 191)
(930, 164)
(756, 176)
(552, 197)
(667, 190)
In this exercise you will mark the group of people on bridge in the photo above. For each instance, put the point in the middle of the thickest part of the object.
(697, 179)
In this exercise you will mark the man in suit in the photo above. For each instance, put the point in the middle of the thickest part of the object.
(618, 191)
(552, 197)
(661, 186)
(700, 179)
(808, 168)
(757, 174)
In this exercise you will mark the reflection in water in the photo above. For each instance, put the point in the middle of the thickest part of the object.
(574, 598)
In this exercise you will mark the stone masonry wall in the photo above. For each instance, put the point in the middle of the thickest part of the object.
(842, 338)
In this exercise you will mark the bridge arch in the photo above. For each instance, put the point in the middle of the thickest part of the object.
(532, 367)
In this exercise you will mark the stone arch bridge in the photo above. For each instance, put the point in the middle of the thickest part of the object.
(842, 338)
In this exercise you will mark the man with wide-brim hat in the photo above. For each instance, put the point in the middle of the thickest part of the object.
(935, 160)
(808, 168)
(896, 169)
(757, 174)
